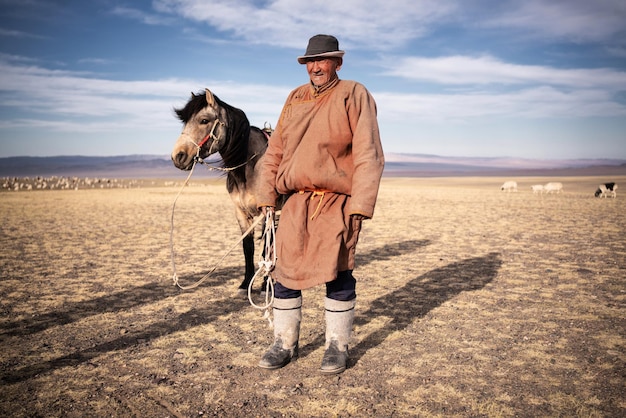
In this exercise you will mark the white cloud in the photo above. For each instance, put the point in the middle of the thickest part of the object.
(96, 61)
(142, 16)
(375, 24)
(617, 51)
(384, 24)
(575, 20)
(79, 101)
(487, 70)
(19, 34)
(532, 103)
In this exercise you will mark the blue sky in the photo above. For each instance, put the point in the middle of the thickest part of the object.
(528, 79)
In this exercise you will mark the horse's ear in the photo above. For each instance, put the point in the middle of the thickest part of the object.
(209, 98)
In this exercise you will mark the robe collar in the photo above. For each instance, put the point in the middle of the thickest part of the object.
(319, 90)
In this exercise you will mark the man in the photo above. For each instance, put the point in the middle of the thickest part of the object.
(326, 156)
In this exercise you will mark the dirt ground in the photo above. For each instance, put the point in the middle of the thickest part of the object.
(472, 302)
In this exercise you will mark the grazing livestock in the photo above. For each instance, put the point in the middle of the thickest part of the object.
(606, 190)
(509, 186)
(537, 188)
(553, 187)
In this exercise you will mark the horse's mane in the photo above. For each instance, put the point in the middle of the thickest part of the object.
(193, 106)
(238, 133)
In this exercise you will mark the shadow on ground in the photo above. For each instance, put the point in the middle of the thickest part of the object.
(424, 293)
(413, 300)
(116, 302)
(417, 297)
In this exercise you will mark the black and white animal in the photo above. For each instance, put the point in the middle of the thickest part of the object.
(606, 190)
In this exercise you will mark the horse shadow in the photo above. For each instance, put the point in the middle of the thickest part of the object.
(116, 302)
(418, 297)
(190, 319)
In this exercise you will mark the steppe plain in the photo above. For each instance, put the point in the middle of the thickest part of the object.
(472, 302)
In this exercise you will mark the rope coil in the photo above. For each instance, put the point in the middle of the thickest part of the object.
(266, 266)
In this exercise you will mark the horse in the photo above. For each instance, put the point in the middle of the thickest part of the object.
(212, 126)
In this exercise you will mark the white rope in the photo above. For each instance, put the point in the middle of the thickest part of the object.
(266, 265)
(256, 221)
(175, 278)
(174, 274)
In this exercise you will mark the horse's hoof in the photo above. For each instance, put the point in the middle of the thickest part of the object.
(242, 293)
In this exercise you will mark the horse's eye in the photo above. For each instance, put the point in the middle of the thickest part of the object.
(204, 122)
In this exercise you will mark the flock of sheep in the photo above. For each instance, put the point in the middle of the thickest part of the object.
(76, 183)
(63, 183)
(604, 189)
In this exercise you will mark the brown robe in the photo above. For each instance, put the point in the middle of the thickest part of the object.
(327, 155)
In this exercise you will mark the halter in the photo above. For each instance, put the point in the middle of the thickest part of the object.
(207, 137)
(197, 159)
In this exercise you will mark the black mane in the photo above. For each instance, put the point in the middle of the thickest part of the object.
(193, 106)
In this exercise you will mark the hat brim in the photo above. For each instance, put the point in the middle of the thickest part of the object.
(337, 54)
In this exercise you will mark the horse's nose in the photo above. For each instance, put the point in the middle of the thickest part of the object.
(180, 159)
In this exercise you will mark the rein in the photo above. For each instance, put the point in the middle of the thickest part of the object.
(265, 266)
(175, 278)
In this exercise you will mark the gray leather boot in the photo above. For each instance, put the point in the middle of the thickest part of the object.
(339, 318)
(287, 316)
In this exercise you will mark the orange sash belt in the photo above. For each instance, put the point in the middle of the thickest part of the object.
(316, 193)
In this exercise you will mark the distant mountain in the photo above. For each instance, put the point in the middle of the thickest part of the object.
(126, 166)
(501, 162)
(410, 165)
(425, 165)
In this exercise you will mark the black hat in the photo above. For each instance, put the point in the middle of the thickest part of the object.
(321, 46)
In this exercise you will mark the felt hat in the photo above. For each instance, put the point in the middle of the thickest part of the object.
(321, 46)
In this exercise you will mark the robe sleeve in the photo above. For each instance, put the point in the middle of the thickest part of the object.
(367, 152)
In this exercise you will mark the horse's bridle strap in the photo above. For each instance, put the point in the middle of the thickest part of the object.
(209, 135)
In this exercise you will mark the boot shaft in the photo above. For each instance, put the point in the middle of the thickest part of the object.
(287, 318)
(339, 318)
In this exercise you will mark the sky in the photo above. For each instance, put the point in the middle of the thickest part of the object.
(539, 79)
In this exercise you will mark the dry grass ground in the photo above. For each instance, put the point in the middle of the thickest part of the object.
(472, 303)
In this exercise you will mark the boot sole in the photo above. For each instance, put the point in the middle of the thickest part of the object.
(333, 371)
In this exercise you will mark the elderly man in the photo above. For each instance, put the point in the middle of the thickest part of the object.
(326, 156)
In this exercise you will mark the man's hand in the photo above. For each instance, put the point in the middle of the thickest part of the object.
(358, 217)
(266, 209)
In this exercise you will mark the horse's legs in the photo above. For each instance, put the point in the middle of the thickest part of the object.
(248, 253)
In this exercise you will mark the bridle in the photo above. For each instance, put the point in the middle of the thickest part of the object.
(210, 135)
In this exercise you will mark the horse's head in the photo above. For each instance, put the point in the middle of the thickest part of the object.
(205, 126)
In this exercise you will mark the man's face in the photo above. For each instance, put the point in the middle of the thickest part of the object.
(322, 70)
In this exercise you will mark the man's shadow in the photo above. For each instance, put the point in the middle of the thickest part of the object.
(418, 297)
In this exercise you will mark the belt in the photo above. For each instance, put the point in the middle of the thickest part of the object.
(316, 193)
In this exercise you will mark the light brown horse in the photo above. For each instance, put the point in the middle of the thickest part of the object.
(213, 126)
